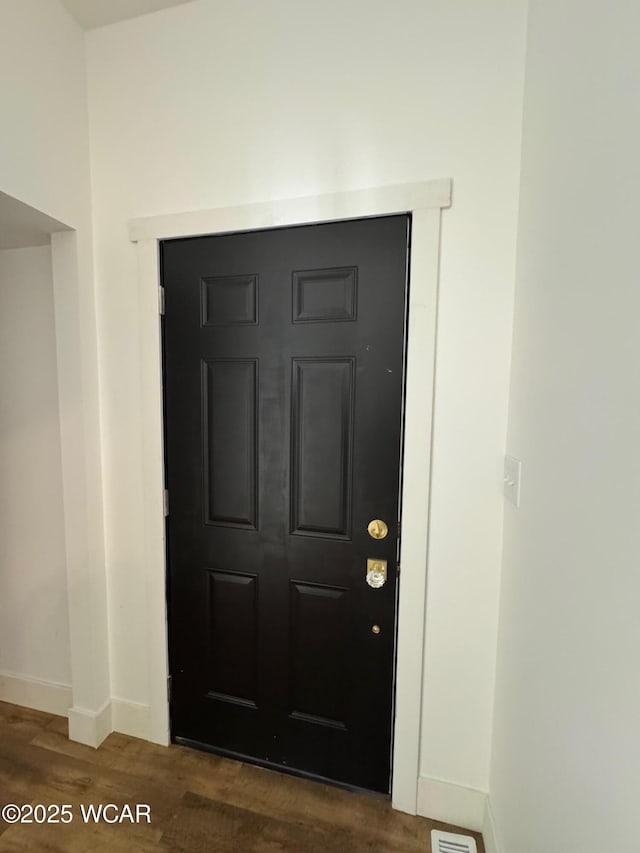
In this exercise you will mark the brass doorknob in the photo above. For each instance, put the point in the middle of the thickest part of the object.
(377, 529)
(375, 629)
(376, 573)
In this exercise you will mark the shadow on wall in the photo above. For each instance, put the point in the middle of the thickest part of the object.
(34, 621)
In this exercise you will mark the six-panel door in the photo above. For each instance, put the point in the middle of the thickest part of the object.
(283, 393)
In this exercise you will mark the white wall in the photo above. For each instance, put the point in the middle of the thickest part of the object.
(44, 162)
(43, 143)
(214, 104)
(34, 620)
(566, 768)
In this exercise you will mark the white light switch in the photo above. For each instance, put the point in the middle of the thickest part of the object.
(512, 477)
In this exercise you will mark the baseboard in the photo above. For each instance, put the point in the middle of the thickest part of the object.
(451, 803)
(131, 718)
(489, 833)
(45, 696)
(90, 727)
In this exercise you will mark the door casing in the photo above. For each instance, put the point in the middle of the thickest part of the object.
(424, 201)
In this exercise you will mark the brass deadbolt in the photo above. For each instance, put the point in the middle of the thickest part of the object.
(377, 529)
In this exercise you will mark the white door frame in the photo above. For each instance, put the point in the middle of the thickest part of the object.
(425, 202)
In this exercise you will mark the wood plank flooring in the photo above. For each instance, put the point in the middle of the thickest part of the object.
(199, 802)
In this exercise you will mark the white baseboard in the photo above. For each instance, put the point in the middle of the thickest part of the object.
(451, 803)
(32, 693)
(90, 727)
(489, 833)
(131, 718)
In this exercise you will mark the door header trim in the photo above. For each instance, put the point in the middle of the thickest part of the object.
(307, 210)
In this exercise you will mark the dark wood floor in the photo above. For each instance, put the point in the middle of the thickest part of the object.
(199, 802)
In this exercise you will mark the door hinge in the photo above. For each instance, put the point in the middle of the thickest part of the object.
(169, 687)
(165, 501)
(161, 300)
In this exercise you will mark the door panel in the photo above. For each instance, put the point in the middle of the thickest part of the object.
(229, 300)
(318, 687)
(283, 398)
(231, 442)
(233, 634)
(324, 295)
(322, 429)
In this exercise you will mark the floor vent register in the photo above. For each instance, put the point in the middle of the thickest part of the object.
(449, 842)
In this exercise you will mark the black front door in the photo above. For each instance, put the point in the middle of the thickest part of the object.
(283, 384)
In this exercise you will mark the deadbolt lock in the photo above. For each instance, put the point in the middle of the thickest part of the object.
(376, 573)
(377, 529)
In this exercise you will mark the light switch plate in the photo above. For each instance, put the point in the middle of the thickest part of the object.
(512, 478)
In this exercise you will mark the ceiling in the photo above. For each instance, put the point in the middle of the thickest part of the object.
(96, 13)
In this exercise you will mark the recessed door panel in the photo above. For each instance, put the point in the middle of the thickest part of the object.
(318, 675)
(322, 429)
(230, 441)
(233, 634)
(325, 296)
(229, 300)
